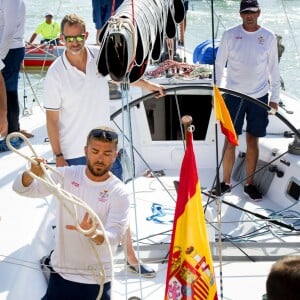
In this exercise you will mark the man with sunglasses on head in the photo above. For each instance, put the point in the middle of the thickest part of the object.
(80, 242)
(76, 98)
(250, 53)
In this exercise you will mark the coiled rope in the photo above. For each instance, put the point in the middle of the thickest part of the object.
(63, 196)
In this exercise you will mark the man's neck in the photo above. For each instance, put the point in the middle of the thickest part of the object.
(78, 60)
(251, 28)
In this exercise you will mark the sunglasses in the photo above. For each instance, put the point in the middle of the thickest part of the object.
(104, 134)
(70, 39)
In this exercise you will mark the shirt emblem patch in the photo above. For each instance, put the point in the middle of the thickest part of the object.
(103, 196)
(74, 183)
(261, 40)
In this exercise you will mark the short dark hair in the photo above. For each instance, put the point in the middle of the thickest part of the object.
(283, 282)
(104, 134)
(72, 19)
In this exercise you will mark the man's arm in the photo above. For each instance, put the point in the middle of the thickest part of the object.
(152, 87)
(25, 185)
(274, 75)
(34, 35)
(52, 118)
(221, 59)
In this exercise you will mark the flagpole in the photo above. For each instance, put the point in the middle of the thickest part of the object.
(219, 202)
(190, 273)
(186, 122)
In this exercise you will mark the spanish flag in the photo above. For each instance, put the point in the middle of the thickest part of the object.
(223, 116)
(190, 273)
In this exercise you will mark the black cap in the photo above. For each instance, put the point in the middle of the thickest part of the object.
(249, 5)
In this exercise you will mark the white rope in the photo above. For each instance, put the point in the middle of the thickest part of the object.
(63, 196)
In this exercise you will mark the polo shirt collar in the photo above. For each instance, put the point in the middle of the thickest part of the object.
(67, 65)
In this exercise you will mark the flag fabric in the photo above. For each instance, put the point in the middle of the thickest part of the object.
(222, 115)
(190, 273)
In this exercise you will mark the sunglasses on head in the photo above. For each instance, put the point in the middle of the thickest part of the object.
(104, 134)
(70, 39)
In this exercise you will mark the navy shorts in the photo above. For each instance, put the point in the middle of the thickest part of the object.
(11, 70)
(256, 116)
(60, 288)
(102, 11)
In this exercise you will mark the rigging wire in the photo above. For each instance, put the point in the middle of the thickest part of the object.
(290, 28)
(218, 185)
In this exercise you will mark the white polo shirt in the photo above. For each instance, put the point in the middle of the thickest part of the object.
(1, 64)
(252, 62)
(82, 100)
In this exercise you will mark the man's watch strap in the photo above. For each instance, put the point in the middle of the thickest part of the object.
(59, 155)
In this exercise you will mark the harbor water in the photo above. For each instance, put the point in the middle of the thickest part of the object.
(281, 16)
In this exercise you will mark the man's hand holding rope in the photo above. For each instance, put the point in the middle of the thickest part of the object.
(86, 224)
(35, 169)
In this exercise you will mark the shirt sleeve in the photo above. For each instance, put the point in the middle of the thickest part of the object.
(221, 58)
(10, 13)
(118, 217)
(52, 86)
(274, 73)
(37, 189)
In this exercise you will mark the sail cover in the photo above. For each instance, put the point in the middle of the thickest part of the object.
(135, 34)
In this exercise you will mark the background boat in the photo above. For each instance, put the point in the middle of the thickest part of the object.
(38, 56)
(283, 17)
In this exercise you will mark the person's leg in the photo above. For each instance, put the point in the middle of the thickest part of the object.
(251, 157)
(13, 111)
(257, 121)
(133, 264)
(228, 161)
(131, 256)
(170, 47)
(10, 73)
(236, 108)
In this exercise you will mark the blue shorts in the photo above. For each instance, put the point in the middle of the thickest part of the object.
(102, 11)
(60, 288)
(256, 116)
